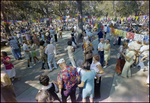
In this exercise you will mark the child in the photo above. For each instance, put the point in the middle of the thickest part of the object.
(9, 68)
(43, 56)
(33, 49)
(48, 91)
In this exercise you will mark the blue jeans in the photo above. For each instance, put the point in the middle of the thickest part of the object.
(20, 41)
(13, 53)
(141, 64)
(101, 53)
(43, 37)
(51, 58)
(17, 53)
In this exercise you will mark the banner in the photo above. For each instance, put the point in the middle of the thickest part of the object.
(145, 16)
(130, 35)
(96, 25)
(93, 18)
(98, 18)
(123, 33)
(136, 18)
(129, 18)
(113, 31)
(83, 19)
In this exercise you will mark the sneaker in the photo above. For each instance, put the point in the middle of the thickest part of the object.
(50, 70)
(30, 67)
(43, 68)
(33, 64)
(12, 79)
(104, 67)
(138, 66)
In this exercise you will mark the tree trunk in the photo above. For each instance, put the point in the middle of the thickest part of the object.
(5, 18)
(47, 15)
(80, 22)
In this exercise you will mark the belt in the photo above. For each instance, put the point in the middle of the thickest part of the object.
(50, 54)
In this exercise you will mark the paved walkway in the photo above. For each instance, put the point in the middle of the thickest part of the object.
(113, 87)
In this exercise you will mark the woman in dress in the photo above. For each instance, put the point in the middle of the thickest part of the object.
(85, 38)
(60, 32)
(96, 65)
(87, 82)
(9, 67)
(35, 40)
(33, 49)
(106, 52)
(121, 59)
(129, 61)
(88, 54)
(80, 71)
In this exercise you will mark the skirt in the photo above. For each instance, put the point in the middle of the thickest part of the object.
(119, 65)
(106, 55)
(11, 72)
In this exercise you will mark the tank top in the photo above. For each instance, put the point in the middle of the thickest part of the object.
(93, 66)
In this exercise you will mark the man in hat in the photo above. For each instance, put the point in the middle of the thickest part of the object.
(67, 79)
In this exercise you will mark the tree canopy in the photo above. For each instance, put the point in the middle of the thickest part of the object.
(26, 10)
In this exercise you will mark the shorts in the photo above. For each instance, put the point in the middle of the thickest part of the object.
(27, 55)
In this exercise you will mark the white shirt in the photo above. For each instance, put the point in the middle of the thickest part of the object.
(100, 46)
(46, 33)
(93, 66)
(50, 49)
(18, 35)
(89, 33)
(25, 47)
(105, 28)
(53, 40)
(69, 49)
(49, 86)
(51, 32)
(80, 71)
(86, 38)
(136, 45)
(144, 49)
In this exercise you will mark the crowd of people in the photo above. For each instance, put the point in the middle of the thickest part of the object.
(84, 74)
